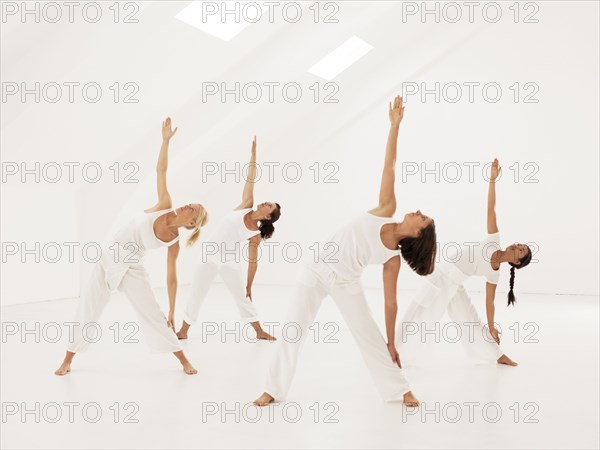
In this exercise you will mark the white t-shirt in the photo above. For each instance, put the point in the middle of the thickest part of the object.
(475, 259)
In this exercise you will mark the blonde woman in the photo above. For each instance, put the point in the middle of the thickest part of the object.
(122, 267)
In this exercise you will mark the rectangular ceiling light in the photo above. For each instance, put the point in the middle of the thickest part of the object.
(224, 20)
(341, 58)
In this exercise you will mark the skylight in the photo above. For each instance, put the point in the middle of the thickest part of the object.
(224, 20)
(341, 58)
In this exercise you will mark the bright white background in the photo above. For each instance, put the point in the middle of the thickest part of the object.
(169, 60)
(553, 142)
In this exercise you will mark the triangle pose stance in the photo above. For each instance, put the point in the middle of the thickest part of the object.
(221, 253)
(374, 237)
(122, 267)
(443, 291)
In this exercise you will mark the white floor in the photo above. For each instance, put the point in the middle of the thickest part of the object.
(549, 401)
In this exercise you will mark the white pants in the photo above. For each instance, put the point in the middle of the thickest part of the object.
(136, 286)
(232, 276)
(422, 313)
(317, 283)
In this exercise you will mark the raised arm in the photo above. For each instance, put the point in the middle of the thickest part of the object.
(390, 280)
(492, 226)
(248, 194)
(387, 196)
(164, 199)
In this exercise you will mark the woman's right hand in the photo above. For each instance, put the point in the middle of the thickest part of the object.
(167, 132)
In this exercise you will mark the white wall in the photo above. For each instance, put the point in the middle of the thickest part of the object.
(35, 269)
(169, 61)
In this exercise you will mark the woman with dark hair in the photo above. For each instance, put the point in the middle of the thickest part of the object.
(444, 290)
(221, 254)
(372, 238)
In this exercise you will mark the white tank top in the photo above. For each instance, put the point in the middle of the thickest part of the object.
(357, 245)
(453, 270)
(132, 242)
(231, 231)
(140, 233)
(475, 259)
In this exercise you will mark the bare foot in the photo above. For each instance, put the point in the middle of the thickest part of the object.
(262, 334)
(181, 334)
(264, 400)
(188, 368)
(506, 360)
(64, 369)
(410, 400)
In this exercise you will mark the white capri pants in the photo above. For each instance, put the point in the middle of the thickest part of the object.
(429, 307)
(317, 283)
(135, 283)
(232, 275)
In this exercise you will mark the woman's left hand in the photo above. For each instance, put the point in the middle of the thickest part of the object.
(167, 132)
(171, 321)
(394, 354)
(495, 170)
(396, 111)
(495, 334)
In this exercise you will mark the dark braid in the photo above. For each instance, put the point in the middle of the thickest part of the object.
(522, 263)
(511, 295)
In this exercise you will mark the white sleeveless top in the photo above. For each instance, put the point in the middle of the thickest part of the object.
(231, 230)
(460, 264)
(140, 232)
(475, 260)
(133, 240)
(357, 245)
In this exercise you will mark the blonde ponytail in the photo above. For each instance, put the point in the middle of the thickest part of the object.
(201, 220)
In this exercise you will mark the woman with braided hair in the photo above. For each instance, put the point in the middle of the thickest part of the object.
(444, 290)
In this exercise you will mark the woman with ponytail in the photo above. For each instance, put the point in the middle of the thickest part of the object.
(221, 254)
(373, 237)
(444, 290)
(121, 267)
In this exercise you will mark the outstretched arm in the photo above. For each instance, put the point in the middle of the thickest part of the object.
(252, 263)
(490, 295)
(164, 199)
(387, 196)
(390, 280)
(172, 254)
(492, 226)
(248, 194)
